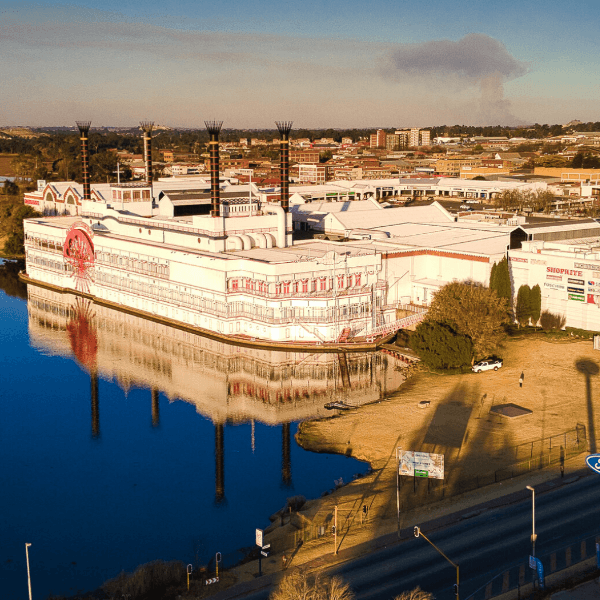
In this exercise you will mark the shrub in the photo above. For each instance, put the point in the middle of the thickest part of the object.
(296, 503)
(416, 594)
(151, 581)
(550, 321)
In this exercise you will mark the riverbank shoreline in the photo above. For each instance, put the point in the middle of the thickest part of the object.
(459, 422)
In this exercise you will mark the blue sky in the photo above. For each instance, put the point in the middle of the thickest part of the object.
(321, 64)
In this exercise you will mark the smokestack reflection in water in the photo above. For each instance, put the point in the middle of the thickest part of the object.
(155, 408)
(95, 404)
(219, 464)
(286, 456)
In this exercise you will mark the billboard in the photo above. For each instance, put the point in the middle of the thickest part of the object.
(420, 464)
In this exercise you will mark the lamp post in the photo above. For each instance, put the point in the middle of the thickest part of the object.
(533, 534)
(28, 573)
(418, 533)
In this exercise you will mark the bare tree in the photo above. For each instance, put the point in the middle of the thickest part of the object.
(416, 594)
(300, 585)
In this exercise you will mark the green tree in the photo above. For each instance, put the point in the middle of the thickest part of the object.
(577, 162)
(535, 299)
(523, 307)
(473, 310)
(500, 280)
(15, 243)
(440, 346)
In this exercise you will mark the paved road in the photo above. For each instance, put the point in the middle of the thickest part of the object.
(484, 546)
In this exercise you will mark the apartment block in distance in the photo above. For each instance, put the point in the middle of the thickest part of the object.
(377, 140)
(414, 137)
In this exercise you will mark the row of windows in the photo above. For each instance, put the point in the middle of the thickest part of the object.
(233, 309)
(129, 195)
(47, 263)
(304, 286)
(143, 264)
(44, 244)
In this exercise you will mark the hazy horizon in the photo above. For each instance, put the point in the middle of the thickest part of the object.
(340, 64)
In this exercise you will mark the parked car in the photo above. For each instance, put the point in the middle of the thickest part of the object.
(487, 365)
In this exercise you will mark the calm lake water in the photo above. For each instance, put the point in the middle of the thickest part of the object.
(125, 441)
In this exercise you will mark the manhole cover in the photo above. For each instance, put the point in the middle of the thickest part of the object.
(511, 411)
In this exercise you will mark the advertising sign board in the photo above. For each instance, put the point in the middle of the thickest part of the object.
(420, 464)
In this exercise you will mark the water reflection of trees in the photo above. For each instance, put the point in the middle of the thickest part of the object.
(9, 278)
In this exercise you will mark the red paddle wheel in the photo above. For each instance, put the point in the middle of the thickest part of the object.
(78, 251)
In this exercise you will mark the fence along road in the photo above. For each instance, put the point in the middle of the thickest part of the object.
(484, 546)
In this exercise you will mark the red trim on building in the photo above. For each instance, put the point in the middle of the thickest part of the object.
(442, 253)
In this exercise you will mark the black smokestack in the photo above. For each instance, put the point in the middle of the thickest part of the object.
(284, 171)
(214, 128)
(84, 128)
(147, 127)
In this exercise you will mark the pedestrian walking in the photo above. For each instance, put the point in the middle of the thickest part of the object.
(521, 379)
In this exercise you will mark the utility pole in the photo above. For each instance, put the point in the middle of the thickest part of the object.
(335, 549)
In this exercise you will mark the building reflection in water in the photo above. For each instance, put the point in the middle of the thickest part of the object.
(226, 383)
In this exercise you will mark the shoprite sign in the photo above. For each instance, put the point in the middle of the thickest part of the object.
(564, 271)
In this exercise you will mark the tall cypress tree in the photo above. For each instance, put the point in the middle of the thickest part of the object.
(523, 309)
(503, 281)
(493, 277)
(535, 300)
(500, 280)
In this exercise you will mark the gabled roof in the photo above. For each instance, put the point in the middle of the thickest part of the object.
(382, 219)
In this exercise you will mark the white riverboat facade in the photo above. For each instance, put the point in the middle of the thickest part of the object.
(194, 270)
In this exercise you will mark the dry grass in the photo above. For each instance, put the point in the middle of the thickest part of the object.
(6, 168)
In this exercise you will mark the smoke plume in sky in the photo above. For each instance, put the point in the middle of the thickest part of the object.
(477, 60)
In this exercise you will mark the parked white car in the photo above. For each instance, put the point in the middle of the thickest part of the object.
(487, 365)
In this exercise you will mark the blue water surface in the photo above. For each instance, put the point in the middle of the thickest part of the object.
(92, 506)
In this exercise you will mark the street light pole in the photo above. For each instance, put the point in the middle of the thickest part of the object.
(533, 534)
(28, 573)
(418, 533)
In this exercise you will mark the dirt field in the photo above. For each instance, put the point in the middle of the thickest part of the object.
(6, 169)
(560, 388)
